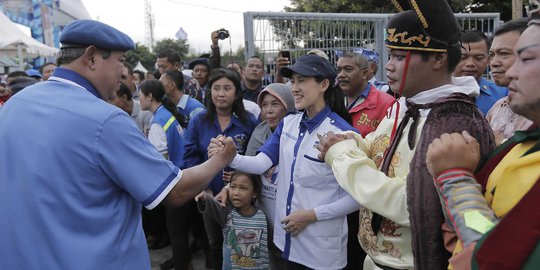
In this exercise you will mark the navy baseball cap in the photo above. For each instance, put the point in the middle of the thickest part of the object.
(311, 65)
(84, 33)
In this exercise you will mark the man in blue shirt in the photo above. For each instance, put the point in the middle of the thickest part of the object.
(74, 170)
(474, 61)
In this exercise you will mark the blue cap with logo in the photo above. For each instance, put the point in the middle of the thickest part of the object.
(311, 65)
(83, 33)
(370, 55)
(33, 73)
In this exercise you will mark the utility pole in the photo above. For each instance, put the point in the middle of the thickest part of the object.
(148, 25)
(517, 9)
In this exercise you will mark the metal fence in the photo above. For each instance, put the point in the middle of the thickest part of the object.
(266, 33)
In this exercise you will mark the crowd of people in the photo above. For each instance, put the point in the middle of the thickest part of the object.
(323, 167)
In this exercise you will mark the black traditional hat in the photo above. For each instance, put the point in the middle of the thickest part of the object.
(422, 25)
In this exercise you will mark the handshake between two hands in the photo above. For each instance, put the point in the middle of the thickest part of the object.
(222, 147)
(218, 144)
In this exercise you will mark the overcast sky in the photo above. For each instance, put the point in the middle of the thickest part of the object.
(198, 18)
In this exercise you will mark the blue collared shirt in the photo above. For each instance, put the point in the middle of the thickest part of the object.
(173, 134)
(74, 171)
(189, 107)
(200, 131)
(489, 94)
(361, 98)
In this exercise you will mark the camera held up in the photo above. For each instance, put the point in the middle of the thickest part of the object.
(223, 34)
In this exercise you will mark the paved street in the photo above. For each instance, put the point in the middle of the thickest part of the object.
(161, 255)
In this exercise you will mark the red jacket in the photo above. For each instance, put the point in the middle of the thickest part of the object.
(367, 115)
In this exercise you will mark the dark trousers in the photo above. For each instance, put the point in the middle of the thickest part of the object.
(200, 239)
(355, 253)
(215, 240)
(178, 224)
(290, 265)
(154, 222)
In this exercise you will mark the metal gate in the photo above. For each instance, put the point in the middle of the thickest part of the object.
(266, 33)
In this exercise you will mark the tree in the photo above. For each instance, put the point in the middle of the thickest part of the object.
(143, 54)
(341, 6)
(180, 46)
(503, 7)
(375, 6)
(237, 56)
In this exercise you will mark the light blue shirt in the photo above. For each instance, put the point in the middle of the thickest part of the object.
(189, 107)
(305, 182)
(74, 171)
(173, 135)
(489, 94)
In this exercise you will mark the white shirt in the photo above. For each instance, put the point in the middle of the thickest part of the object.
(252, 108)
(305, 182)
(141, 117)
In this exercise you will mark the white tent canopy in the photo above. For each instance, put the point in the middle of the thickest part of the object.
(14, 42)
(140, 67)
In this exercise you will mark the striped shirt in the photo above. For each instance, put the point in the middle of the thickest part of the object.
(245, 238)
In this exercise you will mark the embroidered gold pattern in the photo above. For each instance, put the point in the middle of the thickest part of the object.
(376, 153)
(402, 38)
(366, 237)
(364, 120)
(391, 249)
(419, 13)
(379, 145)
(369, 241)
(415, 48)
(397, 5)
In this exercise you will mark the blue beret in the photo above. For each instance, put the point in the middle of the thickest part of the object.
(83, 33)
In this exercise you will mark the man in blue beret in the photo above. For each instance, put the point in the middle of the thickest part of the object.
(74, 170)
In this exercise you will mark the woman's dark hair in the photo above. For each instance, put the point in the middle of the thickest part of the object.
(255, 181)
(123, 90)
(44, 65)
(156, 88)
(177, 77)
(142, 75)
(334, 97)
(238, 105)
